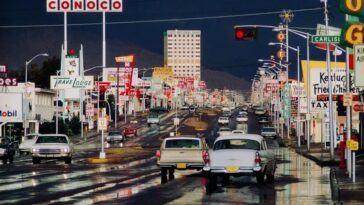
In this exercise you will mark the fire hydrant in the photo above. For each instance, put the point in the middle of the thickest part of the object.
(342, 153)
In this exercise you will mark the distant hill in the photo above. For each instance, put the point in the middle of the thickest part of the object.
(35, 41)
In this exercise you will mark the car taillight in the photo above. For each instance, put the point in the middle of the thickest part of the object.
(158, 154)
(257, 159)
(205, 156)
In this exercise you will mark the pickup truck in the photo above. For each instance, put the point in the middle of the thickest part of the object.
(181, 152)
(153, 118)
(225, 159)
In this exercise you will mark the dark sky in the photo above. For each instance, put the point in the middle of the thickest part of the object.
(220, 50)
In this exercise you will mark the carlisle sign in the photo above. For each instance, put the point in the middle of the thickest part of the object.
(84, 5)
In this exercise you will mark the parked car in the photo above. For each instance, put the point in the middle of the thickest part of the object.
(185, 107)
(259, 111)
(224, 131)
(153, 118)
(159, 110)
(181, 152)
(115, 137)
(52, 146)
(223, 120)
(242, 118)
(225, 159)
(192, 109)
(129, 132)
(27, 143)
(269, 132)
(7, 150)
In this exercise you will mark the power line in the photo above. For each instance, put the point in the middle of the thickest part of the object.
(161, 20)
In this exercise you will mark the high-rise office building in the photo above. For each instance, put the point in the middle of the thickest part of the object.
(182, 52)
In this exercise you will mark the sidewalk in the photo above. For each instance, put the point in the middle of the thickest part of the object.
(343, 190)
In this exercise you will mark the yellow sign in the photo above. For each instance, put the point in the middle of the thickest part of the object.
(348, 99)
(102, 123)
(124, 59)
(354, 145)
(164, 73)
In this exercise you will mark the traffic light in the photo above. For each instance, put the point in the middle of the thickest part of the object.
(245, 33)
(340, 108)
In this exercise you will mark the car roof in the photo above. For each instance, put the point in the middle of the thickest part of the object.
(59, 135)
(240, 136)
(183, 137)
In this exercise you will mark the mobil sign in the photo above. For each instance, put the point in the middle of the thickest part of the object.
(11, 107)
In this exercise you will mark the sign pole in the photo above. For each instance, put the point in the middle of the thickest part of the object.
(308, 122)
(331, 116)
(299, 95)
(348, 108)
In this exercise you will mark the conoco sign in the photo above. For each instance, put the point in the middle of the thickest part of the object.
(84, 5)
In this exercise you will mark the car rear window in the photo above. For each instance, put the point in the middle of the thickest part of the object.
(237, 144)
(51, 139)
(269, 129)
(182, 144)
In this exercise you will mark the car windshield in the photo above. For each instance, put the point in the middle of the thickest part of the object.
(51, 139)
(114, 133)
(153, 115)
(182, 143)
(237, 144)
(269, 129)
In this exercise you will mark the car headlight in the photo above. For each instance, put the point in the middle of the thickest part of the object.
(65, 150)
(2, 151)
(35, 150)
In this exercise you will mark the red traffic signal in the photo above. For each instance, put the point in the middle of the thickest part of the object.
(245, 33)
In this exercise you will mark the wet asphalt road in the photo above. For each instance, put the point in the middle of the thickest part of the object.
(297, 181)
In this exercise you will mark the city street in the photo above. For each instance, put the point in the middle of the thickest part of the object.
(138, 180)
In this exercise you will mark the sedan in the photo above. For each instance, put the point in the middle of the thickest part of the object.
(52, 146)
(263, 120)
(223, 120)
(130, 132)
(242, 118)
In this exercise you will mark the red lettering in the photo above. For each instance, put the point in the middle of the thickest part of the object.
(104, 5)
(65, 5)
(78, 5)
(91, 5)
(116, 5)
(52, 5)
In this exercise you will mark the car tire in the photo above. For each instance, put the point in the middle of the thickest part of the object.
(5, 160)
(164, 175)
(35, 160)
(270, 178)
(171, 174)
(211, 184)
(11, 159)
(260, 178)
(22, 153)
(225, 181)
(68, 160)
(148, 124)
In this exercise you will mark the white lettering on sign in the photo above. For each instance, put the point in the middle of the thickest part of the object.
(84, 5)
(8, 82)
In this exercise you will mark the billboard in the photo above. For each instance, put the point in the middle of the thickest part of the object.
(11, 107)
(109, 75)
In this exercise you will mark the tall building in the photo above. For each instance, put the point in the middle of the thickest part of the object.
(182, 52)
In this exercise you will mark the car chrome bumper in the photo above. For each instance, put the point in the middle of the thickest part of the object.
(51, 156)
(175, 165)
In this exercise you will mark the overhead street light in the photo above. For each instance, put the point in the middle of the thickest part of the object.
(28, 62)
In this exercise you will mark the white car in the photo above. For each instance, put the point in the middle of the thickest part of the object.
(224, 131)
(242, 113)
(269, 132)
(242, 118)
(52, 146)
(226, 159)
(223, 120)
(27, 143)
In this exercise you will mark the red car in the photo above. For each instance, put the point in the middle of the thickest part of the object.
(129, 132)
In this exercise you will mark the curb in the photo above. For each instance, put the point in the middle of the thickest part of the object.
(318, 161)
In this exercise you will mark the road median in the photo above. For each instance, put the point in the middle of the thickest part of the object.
(122, 154)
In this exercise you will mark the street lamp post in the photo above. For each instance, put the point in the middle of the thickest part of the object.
(26, 80)
(143, 101)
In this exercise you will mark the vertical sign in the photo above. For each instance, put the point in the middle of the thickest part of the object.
(359, 65)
